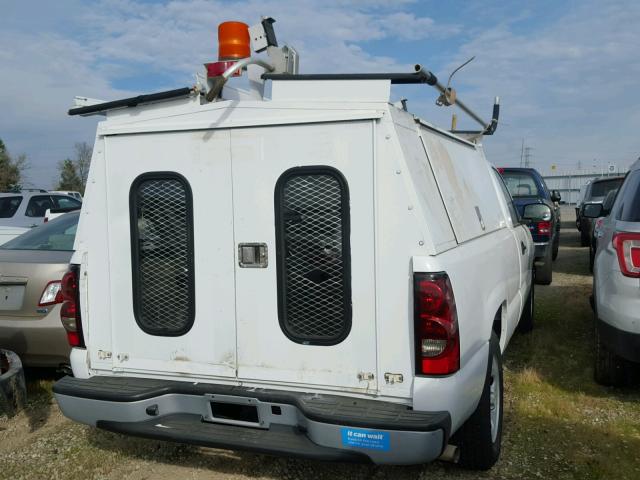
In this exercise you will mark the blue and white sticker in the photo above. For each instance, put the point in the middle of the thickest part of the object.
(369, 439)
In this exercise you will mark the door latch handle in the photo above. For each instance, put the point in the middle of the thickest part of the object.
(523, 247)
(253, 255)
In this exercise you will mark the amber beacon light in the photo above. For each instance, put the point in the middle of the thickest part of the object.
(233, 41)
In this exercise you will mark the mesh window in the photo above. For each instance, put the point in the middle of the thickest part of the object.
(314, 282)
(162, 253)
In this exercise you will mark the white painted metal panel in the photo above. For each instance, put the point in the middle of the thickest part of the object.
(203, 158)
(464, 179)
(331, 90)
(92, 254)
(430, 204)
(260, 156)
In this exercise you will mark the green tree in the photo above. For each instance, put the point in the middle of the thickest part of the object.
(11, 170)
(83, 161)
(69, 178)
(74, 173)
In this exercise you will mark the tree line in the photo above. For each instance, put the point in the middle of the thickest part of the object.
(72, 172)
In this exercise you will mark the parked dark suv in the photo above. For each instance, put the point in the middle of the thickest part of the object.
(596, 192)
(527, 186)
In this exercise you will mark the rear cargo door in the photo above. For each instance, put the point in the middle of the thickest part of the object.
(171, 253)
(304, 230)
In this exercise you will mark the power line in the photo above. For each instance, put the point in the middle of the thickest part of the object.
(527, 156)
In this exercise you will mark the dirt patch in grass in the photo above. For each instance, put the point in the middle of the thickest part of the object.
(558, 423)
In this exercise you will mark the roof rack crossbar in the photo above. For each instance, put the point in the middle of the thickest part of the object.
(132, 101)
(395, 78)
(420, 76)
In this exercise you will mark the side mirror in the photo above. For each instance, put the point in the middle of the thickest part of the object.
(555, 196)
(592, 210)
(538, 212)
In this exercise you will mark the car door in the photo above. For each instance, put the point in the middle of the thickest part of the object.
(304, 232)
(172, 299)
(36, 209)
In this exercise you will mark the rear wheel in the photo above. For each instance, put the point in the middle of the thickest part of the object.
(592, 256)
(556, 249)
(480, 437)
(525, 325)
(610, 369)
(544, 273)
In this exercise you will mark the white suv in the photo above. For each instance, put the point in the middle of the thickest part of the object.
(349, 296)
(27, 208)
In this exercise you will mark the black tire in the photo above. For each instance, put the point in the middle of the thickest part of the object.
(525, 325)
(544, 273)
(610, 369)
(479, 448)
(592, 257)
(584, 238)
(556, 249)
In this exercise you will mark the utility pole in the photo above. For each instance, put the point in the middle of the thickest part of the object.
(521, 153)
(527, 156)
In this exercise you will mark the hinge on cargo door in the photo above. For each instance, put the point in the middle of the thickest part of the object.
(392, 378)
(104, 355)
(365, 376)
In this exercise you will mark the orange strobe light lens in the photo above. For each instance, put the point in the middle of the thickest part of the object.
(233, 41)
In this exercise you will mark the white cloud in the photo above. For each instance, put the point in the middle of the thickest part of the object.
(569, 88)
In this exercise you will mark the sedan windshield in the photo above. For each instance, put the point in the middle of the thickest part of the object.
(57, 234)
(520, 184)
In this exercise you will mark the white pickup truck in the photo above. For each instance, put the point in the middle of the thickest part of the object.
(310, 271)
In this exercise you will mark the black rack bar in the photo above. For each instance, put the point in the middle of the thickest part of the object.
(132, 102)
(396, 78)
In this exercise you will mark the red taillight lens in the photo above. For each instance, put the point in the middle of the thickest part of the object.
(437, 339)
(51, 294)
(544, 228)
(70, 311)
(627, 246)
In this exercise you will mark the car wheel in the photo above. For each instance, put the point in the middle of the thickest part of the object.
(556, 249)
(544, 273)
(610, 369)
(592, 257)
(525, 325)
(480, 438)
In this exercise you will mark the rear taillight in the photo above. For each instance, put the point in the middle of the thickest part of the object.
(51, 294)
(70, 311)
(437, 339)
(627, 246)
(544, 228)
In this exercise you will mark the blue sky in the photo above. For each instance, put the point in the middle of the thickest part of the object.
(567, 72)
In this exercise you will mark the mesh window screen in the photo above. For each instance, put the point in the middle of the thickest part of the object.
(162, 253)
(314, 281)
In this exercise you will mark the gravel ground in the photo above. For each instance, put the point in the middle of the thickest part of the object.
(558, 422)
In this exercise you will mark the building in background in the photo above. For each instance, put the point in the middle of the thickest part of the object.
(571, 184)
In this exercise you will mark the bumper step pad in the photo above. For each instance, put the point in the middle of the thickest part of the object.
(186, 428)
(323, 408)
